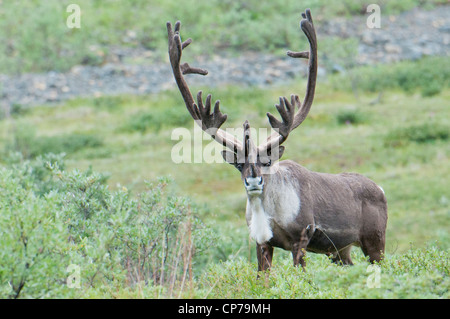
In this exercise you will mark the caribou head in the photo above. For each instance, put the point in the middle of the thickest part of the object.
(290, 207)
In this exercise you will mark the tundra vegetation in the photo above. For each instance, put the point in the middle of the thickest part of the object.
(83, 195)
(133, 238)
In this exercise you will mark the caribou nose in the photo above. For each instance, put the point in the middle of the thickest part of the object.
(254, 183)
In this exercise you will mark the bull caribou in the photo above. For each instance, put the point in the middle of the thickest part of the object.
(290, 207)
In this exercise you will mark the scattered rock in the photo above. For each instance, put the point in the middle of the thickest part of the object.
(410, 35)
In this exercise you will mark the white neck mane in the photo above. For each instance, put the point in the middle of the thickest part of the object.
(280, 203)
(260, 229)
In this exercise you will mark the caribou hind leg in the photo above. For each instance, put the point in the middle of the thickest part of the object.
(343, 257)
(372, 245)
(373, 235)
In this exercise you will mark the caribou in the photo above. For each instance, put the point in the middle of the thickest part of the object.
(289, 206)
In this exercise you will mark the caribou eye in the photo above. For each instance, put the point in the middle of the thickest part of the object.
(268, 163)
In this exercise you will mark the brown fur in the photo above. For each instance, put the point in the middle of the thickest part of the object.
(336, 211)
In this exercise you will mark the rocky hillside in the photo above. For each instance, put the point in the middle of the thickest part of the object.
(410, 35)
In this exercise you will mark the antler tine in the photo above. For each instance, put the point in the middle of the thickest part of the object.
(308, 28)
(290, 119)
(303, 54)
(286, 110)
(201, 113)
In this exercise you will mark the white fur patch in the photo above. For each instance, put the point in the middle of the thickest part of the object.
(289, 205)
(282, 200)
(260, 222)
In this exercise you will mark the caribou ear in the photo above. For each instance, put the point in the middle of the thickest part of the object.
(272, 156)
(276, 153)
(231, 158)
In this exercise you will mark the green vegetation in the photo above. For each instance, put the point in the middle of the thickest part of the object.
(429, 76)
(131, 238)
(350, 116)
(30, 146)
(401, 276)
(36, 37)
(53, 222)
(76, 205)
(422, 133)
(65, 234)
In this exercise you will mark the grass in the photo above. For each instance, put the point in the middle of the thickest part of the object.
(401, 143)
(41, 41)
(417, 273)
(427, 76)
(400, 276)
(410, 171)
(396, 133)
(422, 133)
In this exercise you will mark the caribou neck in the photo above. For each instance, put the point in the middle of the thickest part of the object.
(279, 203)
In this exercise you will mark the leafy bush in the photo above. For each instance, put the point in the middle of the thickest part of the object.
(32, 241)
(140, 122)
(37, 175)
(419, 273)
(350, 116)
(430, 75)
(156, 119)
(112, 238)
(421, 133)
(37, 38)
(15, 110)
(26, 142)
(69, 143)
(51, 220)
(431, 89)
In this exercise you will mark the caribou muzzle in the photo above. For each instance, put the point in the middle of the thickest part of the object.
(254, 185)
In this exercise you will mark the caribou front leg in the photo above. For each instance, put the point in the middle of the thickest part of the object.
(264, 253)
(299, 249)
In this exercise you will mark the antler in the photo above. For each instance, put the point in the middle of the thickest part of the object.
(290, 119)
(201, 113)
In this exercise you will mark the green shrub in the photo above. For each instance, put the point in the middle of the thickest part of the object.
(421, 133)
(37, 175)
(67, 143)
(431, 89)
(350, 116)
(16, 110)
(429, 75)
(418, 273)
(140, 122)
(29, 145)
(50, 223)
(32, 241)
(156, 119)
(37, 38)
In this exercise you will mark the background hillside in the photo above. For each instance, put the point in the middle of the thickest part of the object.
(87, 115)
